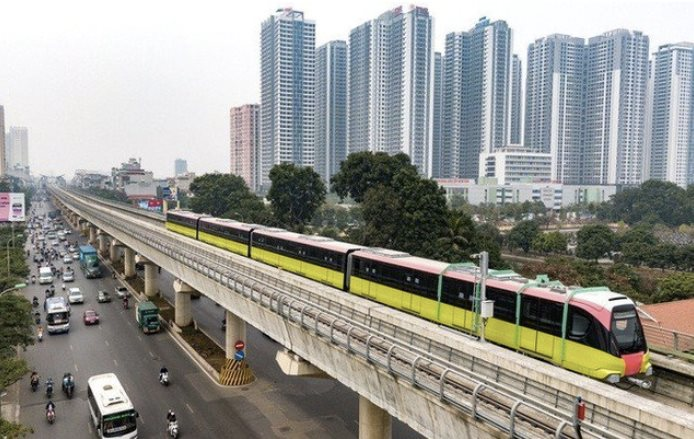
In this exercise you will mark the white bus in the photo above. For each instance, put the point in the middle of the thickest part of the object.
(57, 315)
(111, 411)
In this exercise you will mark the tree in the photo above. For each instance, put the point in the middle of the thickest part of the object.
(227, 196)
(409, 214)
(654, 201)
(295, 194)
(523, 234)
(15, 331)
(458, 240)
(552, 242)
(594, 241)
(489, 239)
(365, 170)
(676, 286)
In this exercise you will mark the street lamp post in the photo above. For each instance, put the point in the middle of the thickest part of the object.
(16, 287)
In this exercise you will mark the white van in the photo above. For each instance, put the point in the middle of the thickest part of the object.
(45, 275)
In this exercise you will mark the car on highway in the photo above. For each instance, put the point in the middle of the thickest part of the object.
(68, 276)
(55, 243)
(67, 231)
(122, 292)
(90, 317)
(74, 295)
(103, 297)
(75, 256)
(72, 249)
(67, 259)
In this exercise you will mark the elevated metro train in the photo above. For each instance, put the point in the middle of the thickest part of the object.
(592, 331)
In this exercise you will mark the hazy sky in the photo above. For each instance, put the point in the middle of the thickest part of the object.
(97, 82)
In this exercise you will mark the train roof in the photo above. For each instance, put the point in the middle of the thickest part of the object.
(402, 259)
(313, 240)
(230, 223)
(187, 213)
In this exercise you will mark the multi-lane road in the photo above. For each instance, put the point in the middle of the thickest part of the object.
(274, 406)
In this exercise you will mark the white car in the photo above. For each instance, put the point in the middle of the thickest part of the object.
(74, 295)
(122, 292)
(67, 259)
(75, 256)
(69, 276)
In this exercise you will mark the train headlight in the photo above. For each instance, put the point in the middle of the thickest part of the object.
(649, 371)
(613, 378)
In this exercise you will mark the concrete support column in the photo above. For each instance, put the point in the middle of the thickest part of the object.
(114, 252)
(184, 311)
(103, 243)
(236, 330)
(92, 235)
(374, 422)
(150, 276)
(129, 263)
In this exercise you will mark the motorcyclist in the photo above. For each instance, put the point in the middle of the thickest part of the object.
(163, 371)
(34, 380)
(171, 416)
(68, 380)
(35, 301)
(125, 302)
(39, 332)
(49, 386)
(50, 406)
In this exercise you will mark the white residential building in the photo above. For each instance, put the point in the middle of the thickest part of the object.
(516, 164)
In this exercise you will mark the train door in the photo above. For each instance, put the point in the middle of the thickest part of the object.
(411, 301)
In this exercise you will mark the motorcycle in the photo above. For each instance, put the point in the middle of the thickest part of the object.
(50, 416)
(37, 317)
(35, 302)
(34, 383)
(68, 384)
(173, 429)
(164, 378)
(39, 334)
(125, 303)
(49, 388)
(33, 279)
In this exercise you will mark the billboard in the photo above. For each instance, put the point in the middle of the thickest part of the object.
(12, 207)
(151, 204)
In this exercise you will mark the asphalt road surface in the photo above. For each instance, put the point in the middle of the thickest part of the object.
(273, 406)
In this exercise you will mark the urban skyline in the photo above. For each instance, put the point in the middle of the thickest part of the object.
(662, 24)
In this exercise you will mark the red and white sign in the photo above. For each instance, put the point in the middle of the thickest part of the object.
(239, 345)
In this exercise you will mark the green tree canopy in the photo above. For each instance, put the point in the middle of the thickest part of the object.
(552, 242)
(523, 234)
(228, 196)
(365, 170)
(489, 239)
(295, 194)
(654, 201)
(676, 286)
(409, 214)
(594, 241)
(458, 241)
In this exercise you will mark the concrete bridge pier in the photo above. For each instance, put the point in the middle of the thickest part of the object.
(92, 235)
(183, 310)
(374, 422)
(236, 331)
(114, 250)
(129, 263)
(102, 237)
(150, 276)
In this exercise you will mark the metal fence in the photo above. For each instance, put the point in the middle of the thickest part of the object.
(460, 379)
(669, 341)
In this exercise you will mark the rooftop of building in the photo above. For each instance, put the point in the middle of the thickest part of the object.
(677, 315)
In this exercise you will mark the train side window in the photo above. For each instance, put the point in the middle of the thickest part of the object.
(457, 292)
(580, 325)
(584, 328)
(504, 304)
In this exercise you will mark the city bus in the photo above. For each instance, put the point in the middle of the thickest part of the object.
(57, 315)
(111, 411)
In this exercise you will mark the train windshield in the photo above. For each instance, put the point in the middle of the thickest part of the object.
(627, 330)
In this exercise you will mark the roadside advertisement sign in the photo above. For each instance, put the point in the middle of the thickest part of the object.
(12, 207)
(153, 204)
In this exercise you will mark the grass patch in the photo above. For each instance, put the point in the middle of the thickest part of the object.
(206, 348)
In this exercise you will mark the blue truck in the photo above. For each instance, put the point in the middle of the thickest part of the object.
(89, 261)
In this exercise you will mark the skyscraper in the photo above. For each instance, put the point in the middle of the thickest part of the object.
(616, 78)
(331, 108)
(17, 148)
(554, 103)
(244, 134)
(516, 105)
(437, 114)
(477, 69)
(391, 63)
(2, 141)
(287, 87)
(180, 167)
(672, 124)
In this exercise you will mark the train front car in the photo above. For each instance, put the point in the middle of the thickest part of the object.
(629, 342)
(625, 355)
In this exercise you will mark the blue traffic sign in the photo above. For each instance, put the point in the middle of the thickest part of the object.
(239, 355)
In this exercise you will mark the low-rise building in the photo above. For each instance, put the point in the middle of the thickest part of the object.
(516, 164)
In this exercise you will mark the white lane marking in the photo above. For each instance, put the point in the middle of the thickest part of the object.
(115, 362)
(141, 420)
(139, 338)
(151, 354)
(76, 369)
(71, 348)
(107, 344)
(190, 408)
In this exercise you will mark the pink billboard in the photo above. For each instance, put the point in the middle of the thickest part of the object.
(11, 206)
